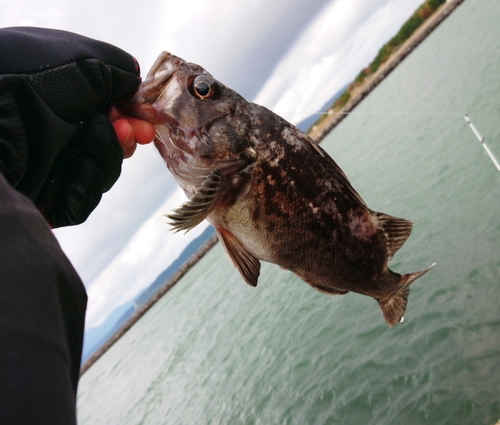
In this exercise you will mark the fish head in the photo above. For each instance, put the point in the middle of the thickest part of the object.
(200, 123)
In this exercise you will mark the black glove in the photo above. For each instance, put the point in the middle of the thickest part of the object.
(56, 145)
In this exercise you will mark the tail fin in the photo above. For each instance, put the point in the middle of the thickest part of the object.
(393, 308)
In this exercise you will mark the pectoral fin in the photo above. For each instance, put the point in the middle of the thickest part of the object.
(203, 202)
(242, 259)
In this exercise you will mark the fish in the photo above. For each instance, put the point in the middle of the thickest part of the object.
(271, 193)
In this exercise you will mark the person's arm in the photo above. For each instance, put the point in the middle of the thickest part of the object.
(57, 143)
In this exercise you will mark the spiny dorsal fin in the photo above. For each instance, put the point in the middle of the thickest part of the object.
(242, 259)
(396, 232)
(203, 202)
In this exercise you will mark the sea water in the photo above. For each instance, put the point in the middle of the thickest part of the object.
(216, 351)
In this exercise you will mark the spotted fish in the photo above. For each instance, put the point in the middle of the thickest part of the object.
(270, 191)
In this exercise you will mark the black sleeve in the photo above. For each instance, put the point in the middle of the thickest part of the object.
(56, 145)
(42, 312)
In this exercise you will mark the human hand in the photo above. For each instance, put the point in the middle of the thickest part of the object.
(57, 145)
(130, 131)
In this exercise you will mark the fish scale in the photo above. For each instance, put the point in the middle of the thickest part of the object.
(270, 191)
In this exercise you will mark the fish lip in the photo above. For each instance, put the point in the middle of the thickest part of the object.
(159, 76)
(158, 63)
(148, 89)
(145, 89)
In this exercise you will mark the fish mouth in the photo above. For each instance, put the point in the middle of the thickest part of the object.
(159, 76)
(141, 105)
(165, 63)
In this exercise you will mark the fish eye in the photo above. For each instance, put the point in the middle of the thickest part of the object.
(203, 87)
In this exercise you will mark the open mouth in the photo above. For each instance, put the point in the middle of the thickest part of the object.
(158, 77)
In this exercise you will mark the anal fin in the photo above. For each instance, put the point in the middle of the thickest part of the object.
(396, 230)
(242, 259)
(331, 292)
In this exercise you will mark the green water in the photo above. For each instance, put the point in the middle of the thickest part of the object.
(215, 351)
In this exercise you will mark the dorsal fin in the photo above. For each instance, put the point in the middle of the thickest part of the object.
(396, 231)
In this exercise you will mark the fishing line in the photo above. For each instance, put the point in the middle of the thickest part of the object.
(441, 114)
(482, 141)
(296, 92)
(374, 113)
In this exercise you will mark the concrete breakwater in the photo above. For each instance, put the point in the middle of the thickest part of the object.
(328, 124)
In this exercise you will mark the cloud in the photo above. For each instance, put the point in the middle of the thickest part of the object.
(241, 42)
(148, 253)
(339, 42)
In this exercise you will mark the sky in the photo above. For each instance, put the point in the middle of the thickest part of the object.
(288, 55)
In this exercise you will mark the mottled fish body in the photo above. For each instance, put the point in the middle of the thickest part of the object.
(270, 191)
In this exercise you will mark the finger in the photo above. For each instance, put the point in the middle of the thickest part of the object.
(124, 131)
(144, 132)
(126, 137)
(129, 151)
